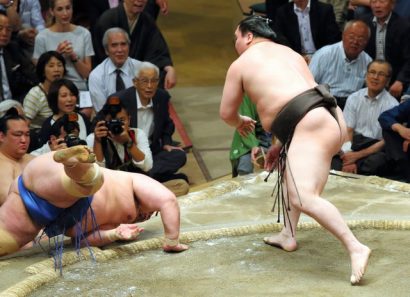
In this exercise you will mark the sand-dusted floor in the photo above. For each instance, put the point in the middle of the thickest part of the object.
(242, 265)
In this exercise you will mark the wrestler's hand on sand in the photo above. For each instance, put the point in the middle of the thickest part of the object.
(246, 126)
(272, 156)
(124, 232)
(174, 246)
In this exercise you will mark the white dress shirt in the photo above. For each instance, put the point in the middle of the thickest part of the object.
(101, 81)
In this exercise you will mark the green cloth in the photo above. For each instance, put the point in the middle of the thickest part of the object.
(243, 145)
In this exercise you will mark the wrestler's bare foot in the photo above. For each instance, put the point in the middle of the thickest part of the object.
(73, 155)
(175, 249)
(282, 241)
(359, 259)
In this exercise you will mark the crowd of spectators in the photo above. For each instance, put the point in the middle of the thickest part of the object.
(62, 60)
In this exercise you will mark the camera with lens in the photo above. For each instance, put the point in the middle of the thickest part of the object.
(72, 140)
(69, 123)
(115, 126)
(113, 107)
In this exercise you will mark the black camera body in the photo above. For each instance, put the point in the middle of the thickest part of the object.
(72, 140)
(115, 126)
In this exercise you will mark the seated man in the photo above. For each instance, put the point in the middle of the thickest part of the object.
(115, 144)
(396, 134)
(149, 105)
(50, 195)
(19, 75)
(14, 143)
(308, 25)
(116, 72)
(343, 65)
(27, 17)
(246, 148)
(390, 41)
(361, 112)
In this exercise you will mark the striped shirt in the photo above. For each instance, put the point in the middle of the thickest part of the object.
(36, 107)
(306, 39)
(329, 65)
(381, 30)
(362, 112)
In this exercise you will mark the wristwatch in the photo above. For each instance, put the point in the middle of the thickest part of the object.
(129, 144)
(11, 2)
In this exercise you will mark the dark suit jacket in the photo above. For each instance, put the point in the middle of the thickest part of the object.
(164, 127)
(322, 24)
(397, 48)
(147, 42)
(21, 72)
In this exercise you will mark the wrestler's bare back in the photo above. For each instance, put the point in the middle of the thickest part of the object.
(270, 88)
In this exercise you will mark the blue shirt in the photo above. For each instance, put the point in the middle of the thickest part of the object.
(329, 65)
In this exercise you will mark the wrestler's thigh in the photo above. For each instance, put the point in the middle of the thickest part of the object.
(314, 143)
(43, 175)
(15, 219)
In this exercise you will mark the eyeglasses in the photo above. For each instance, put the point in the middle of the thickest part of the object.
(147, 81)
(374, 73)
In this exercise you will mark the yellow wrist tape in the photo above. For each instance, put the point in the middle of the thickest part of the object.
(7, 243)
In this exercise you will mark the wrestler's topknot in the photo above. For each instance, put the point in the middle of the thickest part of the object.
(258, 26)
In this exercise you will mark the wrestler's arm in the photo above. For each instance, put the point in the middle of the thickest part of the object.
(231, 100)
(155, 197)
(107, 234)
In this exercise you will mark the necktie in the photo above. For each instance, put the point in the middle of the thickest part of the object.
(119, 83)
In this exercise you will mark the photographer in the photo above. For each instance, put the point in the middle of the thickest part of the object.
(63, 133)
(115, 144)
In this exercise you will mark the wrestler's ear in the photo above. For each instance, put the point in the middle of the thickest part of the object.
(249, 37)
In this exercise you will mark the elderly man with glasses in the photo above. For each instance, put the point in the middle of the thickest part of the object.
(148, 107)
(364, 153)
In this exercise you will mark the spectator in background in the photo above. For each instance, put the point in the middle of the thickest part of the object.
(147, 42)
(115, 144)
(246, 148)
(148, 107)
(116, 72)
(366, 154)
(362, 8)
(65, 132)
(72, 41)
(390, 41)
(307, 25)
(62, 99)
(50, 66)
(17, 73)
(154, 7)
(340, 8)
(343, 65)
(14, 143)
(97, 7)
(28, 19)
(396, 133)
(272, 7)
